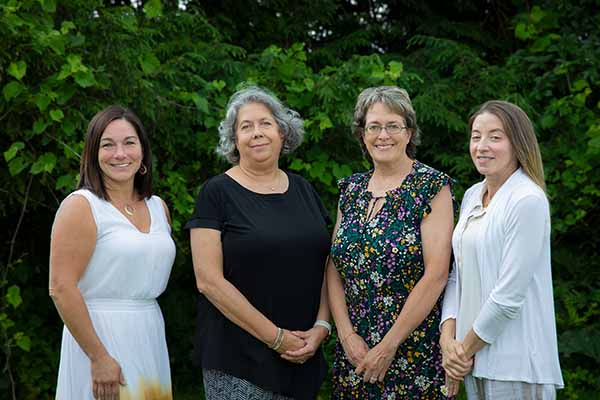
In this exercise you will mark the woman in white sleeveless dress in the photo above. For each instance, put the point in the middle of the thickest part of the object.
(111, 256)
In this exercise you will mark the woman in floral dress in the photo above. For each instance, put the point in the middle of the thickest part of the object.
(390, 259)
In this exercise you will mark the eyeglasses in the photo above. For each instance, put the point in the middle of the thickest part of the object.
(391, 129)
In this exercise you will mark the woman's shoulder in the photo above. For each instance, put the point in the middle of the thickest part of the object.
(523, 187)
(298, 179)
(427, 173)
(353, 180)
(78, 208)
(216, 183)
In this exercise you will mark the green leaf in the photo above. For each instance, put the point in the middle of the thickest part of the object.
(68, 126)
(39, 126)
(13, 296)
(153, 8)
(580, 84)
(537, 14)
(12, 90)
(45, 163)
(57, 115)
(396, 69)
(66, 26)
(65, 181)
(42, 101)
(17, 69)
(341, 171)
(22, 341)
(521, 31)
(65, 71)
(13, 150)
(5, 322)
(84, 78)
(56, 42)
(48, 5)
(201, 102)
(594, 143)
(297, 165)
(309, 83)
(219, 85)
(65, 92)
(149, 63)
(324, 121)
(16, 165)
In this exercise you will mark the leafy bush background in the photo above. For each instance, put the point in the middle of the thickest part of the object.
(177, 62)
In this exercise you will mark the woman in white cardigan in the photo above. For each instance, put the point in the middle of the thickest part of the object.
(498, 331)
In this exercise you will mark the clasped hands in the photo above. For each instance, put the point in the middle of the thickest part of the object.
(456, 364)
(373, 363)
(299, 346)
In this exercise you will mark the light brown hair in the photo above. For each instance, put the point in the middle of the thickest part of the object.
(520, 132)
(397, 101)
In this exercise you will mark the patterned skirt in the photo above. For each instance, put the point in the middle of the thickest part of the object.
(221, 386)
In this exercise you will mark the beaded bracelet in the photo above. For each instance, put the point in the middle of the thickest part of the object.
(324, 324)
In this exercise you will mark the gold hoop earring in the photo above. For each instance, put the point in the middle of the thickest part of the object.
(143, 170)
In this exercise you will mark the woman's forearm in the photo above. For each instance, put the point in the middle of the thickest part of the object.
(75, 315)
(448, 330)
(472, 343)
(324, 313)
(235, 307)
(337, 302)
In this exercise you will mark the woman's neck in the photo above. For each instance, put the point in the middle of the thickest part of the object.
(385, 171)
(493, 184)
(259, 173)
(122, 193)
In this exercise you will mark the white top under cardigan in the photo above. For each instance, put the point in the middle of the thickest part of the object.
(517, 306)
(470, 299)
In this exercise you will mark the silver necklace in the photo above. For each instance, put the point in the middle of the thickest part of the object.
(272, 187)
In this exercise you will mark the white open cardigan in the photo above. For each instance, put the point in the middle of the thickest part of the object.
(517, 305)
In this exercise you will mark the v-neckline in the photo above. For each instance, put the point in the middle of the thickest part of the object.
(131, 223)
(387, 194)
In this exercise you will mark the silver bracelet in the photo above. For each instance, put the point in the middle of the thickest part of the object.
(278, 340)
(324, 324)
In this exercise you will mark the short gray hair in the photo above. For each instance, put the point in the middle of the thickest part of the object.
(398, 101)
(289, 122)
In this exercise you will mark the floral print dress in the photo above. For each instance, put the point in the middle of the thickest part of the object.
(380, 261)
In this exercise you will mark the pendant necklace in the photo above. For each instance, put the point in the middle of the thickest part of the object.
(129, 210)
(272, 187)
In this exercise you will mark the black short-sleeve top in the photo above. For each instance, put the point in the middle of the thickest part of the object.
(274, 251)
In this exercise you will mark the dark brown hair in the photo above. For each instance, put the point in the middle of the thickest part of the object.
(90, 174)
(520, 132)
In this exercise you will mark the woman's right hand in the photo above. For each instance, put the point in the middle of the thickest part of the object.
(106, 378)
(290, 342)
(355, 348)
(454, 360)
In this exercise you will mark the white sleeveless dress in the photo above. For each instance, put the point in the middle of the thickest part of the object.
(128, 270)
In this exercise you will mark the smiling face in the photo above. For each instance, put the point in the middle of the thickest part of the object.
(490, 148)
(120, 154)
(258, 138)
(383, 147)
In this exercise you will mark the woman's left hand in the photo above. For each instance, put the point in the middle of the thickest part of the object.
(313, 338)
(376, 363)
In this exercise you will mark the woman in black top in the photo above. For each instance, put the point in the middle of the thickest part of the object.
(259, 244)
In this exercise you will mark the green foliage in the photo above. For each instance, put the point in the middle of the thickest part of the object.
(61, 62)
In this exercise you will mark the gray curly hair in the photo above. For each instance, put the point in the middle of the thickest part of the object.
(398, 101)
(289, 122)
